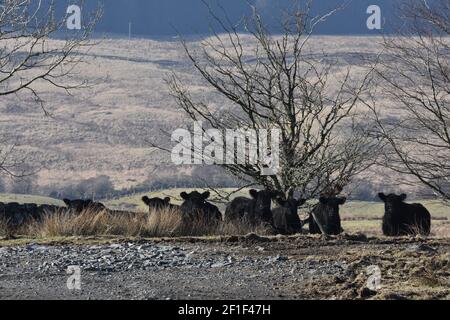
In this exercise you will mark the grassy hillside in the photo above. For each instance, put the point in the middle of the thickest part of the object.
(106, 129)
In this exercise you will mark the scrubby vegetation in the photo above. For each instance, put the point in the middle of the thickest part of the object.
(163, 223)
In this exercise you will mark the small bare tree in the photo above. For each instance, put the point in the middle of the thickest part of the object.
(28, 57)
(415, 75)
(276, 82)
(10, 165)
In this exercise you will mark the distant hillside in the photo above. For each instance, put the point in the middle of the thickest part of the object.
(106, 130)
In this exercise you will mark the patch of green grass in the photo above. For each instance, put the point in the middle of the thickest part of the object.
(20, 198)
(370, 210)
(367, 227)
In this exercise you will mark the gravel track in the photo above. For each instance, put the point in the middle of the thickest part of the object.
(246, 268)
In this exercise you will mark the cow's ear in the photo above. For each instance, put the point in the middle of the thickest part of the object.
(146, 200)
(184, 195)
(280, 201)
(254, 193)
(67, 202)
(206, 195)
(167, 200)
(403, 197)
(323, 200)
(343, 200)
(382, 196)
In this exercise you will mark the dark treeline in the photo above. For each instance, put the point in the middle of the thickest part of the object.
(102, 187)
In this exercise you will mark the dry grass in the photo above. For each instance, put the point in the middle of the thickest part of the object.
(415, 229)
(164, 223)
(244, 227)
(440, 229)
(90, 223)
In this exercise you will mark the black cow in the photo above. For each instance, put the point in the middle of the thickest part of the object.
(78, 206)
(38, 212)
(195, 206)
(327, 214)
(2, 210)
(285, 217)
(255, 210)
(31, 210)
(3, 217)
(158, 203)
(401, 218)
(49, 209)
(15, 214)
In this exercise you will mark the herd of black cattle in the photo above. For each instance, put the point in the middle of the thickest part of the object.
(399, 219)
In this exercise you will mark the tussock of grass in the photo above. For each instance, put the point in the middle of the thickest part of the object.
(243, 228)
(163, 223)
(90, 223)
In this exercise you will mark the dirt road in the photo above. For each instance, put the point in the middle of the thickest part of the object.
(230, 268)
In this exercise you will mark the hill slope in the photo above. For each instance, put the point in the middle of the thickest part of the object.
(107, 128)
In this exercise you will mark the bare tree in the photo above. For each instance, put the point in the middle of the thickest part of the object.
(10, 164)
(415, 76)
(276, 82)
(28, 57)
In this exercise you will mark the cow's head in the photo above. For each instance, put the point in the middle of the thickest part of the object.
(156, 203)
(75, 204)
(392, 201)
(263, 203)
(333, 202)
(265, 197)
(195, 197)
(292, 204)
